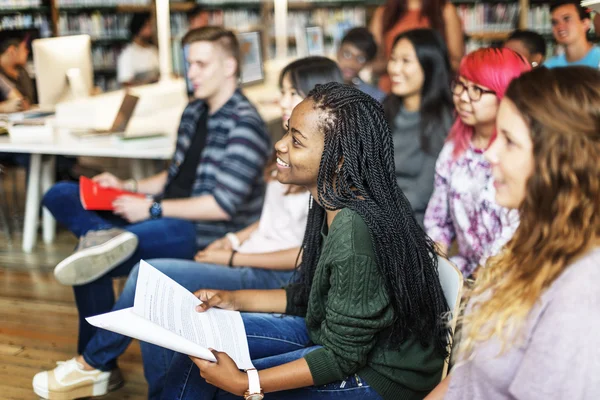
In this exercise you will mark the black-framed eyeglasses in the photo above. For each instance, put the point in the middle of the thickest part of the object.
(473, 91)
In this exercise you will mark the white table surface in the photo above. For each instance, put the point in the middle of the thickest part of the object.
(62, 142)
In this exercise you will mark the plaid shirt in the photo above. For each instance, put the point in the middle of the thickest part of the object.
(231, 165)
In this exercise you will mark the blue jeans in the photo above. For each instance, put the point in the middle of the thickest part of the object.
(273, 340)
(104, 348)
(165, 237)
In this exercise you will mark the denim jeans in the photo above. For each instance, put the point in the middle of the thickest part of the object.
(104, 348)
(160, 238)
(273, 340)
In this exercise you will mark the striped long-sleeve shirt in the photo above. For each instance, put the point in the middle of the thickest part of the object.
(231, 166)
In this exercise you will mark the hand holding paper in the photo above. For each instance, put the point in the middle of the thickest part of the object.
(164, 314)
(223, 374)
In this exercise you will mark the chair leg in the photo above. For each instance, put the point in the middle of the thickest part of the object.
(3, 207)
(17, 201)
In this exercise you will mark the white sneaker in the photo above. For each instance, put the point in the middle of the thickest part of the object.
(70, 381)
(97, 253)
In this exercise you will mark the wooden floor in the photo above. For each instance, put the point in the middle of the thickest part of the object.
(38, 321)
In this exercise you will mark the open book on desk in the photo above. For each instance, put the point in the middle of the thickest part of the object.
(164, 314)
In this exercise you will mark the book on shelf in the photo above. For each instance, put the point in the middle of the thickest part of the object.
(489, 17)
(97, 25)
(26, 21)
(164, 314)
(19, 4)
(100, 3)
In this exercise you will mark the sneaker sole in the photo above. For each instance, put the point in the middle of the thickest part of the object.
(87, 265)
(82, 392)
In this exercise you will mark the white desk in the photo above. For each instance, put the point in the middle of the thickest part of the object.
(63, 143)
(41, 171)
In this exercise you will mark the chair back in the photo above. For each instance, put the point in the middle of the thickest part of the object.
(451, 280)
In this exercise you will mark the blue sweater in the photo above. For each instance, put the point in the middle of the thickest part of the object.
(231, 165)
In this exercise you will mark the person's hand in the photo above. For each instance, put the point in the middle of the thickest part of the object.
(218, 256)
(132, 208)
(220, 244)
(223, 374)
(12, 105)
(25, 104)
(106, 179)
(223, 299)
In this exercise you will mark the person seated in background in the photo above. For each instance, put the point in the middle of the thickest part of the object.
(213, 185)
(11, 101)
(10, 98)
(357, 50)
(263, 256)
(570, 26)
(13, 59)
(138, 62)
(529, 44)
(397, 16)
(419, 111)
(462, 205)
(531, 322)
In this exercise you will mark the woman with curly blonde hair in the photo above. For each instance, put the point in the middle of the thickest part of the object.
(532, 320)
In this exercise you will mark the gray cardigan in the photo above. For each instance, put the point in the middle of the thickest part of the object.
(415, 168)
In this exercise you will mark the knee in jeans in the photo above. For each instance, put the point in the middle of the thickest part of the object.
(59, 191)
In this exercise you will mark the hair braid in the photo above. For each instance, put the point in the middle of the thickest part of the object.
(357, 171)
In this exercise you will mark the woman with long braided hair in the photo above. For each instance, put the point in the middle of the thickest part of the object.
(364, 319)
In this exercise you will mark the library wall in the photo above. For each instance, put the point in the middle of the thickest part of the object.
(106, 21)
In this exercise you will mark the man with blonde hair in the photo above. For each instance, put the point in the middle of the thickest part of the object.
(214, 185)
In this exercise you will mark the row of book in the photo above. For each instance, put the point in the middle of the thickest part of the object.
(236, 19)
(97, 25)
(334, 21)
(105, 57)
(106, 83)
(100, 3)
(8, 4)
(26, 21)
(488, 17)
(225, 3)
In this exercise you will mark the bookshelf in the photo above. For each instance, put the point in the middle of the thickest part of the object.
(107, 23)
(27, 14)
(486, 21)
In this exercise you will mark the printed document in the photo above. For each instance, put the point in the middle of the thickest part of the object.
(164, 314)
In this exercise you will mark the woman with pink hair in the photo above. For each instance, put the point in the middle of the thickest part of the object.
(462, 206)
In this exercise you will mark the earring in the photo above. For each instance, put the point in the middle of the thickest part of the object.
(534, 64)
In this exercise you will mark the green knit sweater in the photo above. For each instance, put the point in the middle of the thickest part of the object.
(349, 313)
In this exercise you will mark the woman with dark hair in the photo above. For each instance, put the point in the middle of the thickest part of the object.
(397, 16)
(532, 321)
(419, 110)
(304, 73)
(262, 255)
(364, 319)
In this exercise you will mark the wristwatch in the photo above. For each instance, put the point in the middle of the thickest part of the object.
(254, 391)
(156, 210)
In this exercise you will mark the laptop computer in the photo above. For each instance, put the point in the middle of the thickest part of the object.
(120, 122)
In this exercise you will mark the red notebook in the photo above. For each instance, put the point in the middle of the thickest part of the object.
(95, 197)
